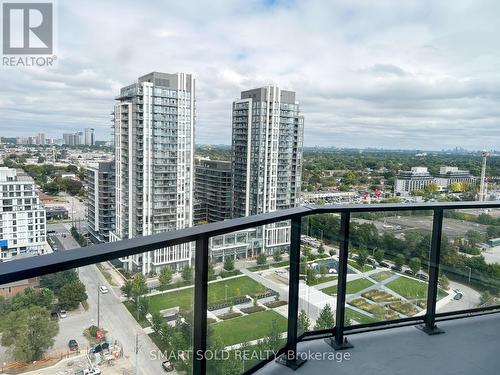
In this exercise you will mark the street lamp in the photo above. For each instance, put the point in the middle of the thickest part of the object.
(226, 293)
(470, 271)
(98, 305)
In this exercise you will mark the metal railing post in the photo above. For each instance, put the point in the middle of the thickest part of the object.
(430, 316)
(290, 358)
(339, 342)
(200, 307)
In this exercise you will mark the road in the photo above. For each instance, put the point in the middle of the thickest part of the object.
(470, 299)
(114, 317)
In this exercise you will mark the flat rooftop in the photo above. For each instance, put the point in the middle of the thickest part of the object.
(468, 346)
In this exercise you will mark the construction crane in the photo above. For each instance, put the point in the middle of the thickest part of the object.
(483, 187)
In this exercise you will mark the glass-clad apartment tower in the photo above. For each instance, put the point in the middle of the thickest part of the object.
(267, 138)
(154, 143)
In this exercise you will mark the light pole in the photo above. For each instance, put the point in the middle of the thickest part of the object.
(470, 271)
(226, 293)
(98, 305)
(136, 353)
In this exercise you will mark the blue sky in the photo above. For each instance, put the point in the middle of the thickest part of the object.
(393, 74)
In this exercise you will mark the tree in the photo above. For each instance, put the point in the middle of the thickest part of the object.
(187, 273)
(379, 255)
(273, 341)
(32, 297)
(165, 277)
(127, 289)
(362, 258)
(306, 250)
(56, 281)
(303, 321)
(443, 281)
(229, 263)
(415, 265)
(321, 248)
(211, 271)
(139, 286)
(399, 261)
(485, 297)
(261, 259)
(277, 256)
(332, 252)
(71, 294)
(28, 332)
(325, 319)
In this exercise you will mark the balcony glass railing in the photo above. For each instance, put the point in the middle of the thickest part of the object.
(341, 270)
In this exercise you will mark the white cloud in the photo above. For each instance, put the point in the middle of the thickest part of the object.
(417, 74)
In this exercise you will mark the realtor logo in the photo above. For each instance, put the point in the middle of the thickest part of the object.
(27, 28)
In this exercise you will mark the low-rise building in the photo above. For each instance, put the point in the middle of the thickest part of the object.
(22, 217)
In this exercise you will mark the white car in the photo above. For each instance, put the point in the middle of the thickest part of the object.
(103, 289)
(63, 314)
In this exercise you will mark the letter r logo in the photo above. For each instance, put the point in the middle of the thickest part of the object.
(27, 28)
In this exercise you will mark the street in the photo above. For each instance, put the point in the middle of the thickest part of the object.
(114, 317)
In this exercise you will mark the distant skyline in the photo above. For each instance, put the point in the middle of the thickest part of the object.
(386, 74)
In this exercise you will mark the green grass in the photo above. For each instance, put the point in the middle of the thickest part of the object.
(412, 288)
(216, 293)
(353, 286)
(381, 276)
(249, 327)
(358, 317)
(354, 264)
(258, 268)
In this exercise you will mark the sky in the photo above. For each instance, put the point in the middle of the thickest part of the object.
(387, 74)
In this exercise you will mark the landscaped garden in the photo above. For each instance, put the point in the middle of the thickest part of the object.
(405, 308)
(377, 295)
(352, 287)
(381, 276)
(249, 327)
(411, 288)
(217, 292)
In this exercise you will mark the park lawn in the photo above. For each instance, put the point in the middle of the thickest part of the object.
(354, 264)
(412, 288)
(352, 287)
(236, 287)
(249, 327)
(381, 276)
(358, 317)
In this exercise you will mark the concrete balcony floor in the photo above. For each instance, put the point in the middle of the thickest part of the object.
(468, 346)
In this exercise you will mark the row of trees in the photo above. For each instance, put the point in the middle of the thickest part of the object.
(25, 324)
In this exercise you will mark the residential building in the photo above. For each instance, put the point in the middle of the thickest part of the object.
(415, 179)
(154, 145)
(212, 190)
(22, 217)
(267, 151)
(89, 137)
(450, 175)
(267, 138)
(100, 185)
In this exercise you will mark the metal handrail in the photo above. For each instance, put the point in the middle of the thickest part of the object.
(40, 265)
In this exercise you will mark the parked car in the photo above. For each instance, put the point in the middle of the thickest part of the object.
(167, 366)
(396, 268)
(458, 296)
(62, 314)
(384, 264)
(409, 272)
(73, 345)
(103, 289)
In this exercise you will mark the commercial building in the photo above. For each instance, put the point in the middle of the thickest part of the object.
(452, 175)
(212, 190)
(415, 179)
(22, 217)
(154, 144)
(100, 185)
